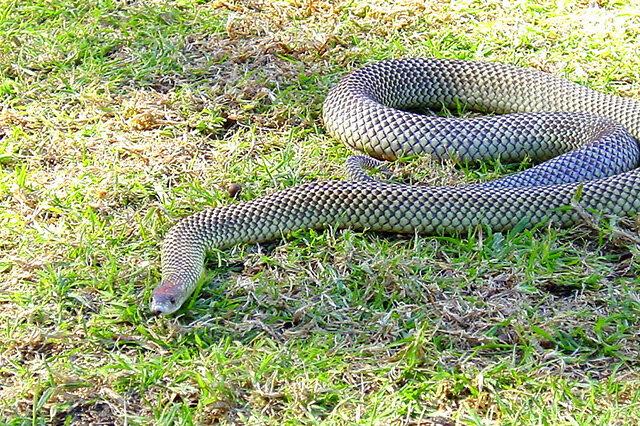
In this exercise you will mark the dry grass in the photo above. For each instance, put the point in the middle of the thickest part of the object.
(118, 118)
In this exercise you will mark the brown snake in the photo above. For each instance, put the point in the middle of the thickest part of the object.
(585, 141)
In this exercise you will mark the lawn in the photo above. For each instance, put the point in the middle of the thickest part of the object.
(117, 118)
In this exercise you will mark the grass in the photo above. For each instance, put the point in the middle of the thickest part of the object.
(118, 118)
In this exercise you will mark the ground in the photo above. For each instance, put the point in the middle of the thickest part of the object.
(117, 118)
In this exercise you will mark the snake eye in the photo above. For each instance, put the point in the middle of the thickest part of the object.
(172, 300)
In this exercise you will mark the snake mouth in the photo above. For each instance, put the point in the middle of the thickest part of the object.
(155, 311)
(158, 308)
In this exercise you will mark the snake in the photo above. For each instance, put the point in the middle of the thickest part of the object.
(584, 144)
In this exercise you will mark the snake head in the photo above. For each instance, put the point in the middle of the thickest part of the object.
(167, 298)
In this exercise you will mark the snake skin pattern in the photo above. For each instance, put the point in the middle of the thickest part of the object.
(586, 142)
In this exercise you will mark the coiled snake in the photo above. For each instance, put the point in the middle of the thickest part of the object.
(589, 136)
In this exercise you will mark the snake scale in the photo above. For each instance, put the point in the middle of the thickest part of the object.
(584, 141)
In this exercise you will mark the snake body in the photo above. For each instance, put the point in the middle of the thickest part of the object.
(586, 140)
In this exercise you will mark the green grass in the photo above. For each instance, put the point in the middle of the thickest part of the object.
(118, 118)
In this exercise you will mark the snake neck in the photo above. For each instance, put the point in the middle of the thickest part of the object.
(183, 256)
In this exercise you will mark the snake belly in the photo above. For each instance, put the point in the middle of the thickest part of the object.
(585, 140)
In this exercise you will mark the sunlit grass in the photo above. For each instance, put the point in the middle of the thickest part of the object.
(118, 118)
